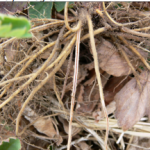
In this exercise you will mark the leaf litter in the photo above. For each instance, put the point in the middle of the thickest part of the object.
(37, 77)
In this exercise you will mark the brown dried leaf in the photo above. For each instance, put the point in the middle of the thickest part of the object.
(113, 86)
(110, 60)
(131, 105)
(43, 125)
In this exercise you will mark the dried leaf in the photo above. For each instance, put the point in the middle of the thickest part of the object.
(43, 125)
(111, 61)
(113, 86)
(131, 105)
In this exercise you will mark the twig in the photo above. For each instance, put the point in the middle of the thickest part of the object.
(130, 141)
(67, 33)
(98, 75)
(66, 20)
(63, 53)
(132, 68)
(75, 77)
(144, 49)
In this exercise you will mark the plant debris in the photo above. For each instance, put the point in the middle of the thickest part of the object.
(81, 80)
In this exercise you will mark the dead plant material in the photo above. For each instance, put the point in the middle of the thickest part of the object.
(74, 86)
(66, 20)
(93, 47)
(110, 60)
(48, 86)
(131, 104)
(43, 125)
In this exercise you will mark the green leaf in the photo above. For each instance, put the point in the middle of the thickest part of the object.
(5, 29)
(16, 33)
(60, 5)
(16, 22)
(13, 144)
(40, 9)
(11, 26)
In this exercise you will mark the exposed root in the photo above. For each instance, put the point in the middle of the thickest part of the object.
(33, 73)
(124, 29)
(39, 86)
(98, 75)
(75, 29)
